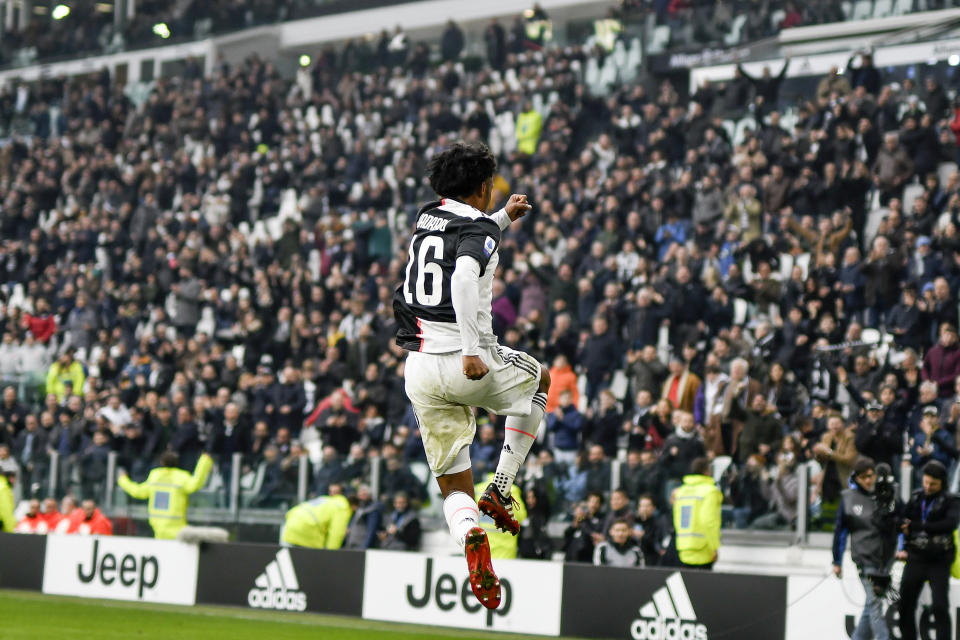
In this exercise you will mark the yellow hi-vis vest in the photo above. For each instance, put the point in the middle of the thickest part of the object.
(696, 518)
(168, 490)
(529, 125)
(503, 545)
(320, 523)
(7, 522)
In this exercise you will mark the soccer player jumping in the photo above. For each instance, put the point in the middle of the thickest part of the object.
(444, 320)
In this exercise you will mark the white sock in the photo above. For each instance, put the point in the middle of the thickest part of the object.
(461, 513)
(521, 432)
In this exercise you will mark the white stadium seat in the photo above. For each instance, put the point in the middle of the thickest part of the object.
(862, 9)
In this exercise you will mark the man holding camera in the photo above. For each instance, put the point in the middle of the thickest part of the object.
(867, 513)
(929, 520)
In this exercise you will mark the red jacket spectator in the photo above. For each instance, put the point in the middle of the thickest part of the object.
(87, 521)
(955, 125)
(43, 327)
(942, 364)
(325, 404)
(33, 522)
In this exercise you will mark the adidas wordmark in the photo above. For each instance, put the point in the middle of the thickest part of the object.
(669, 615)
(277, 587)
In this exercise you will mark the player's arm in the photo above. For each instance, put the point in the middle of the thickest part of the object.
(465, 296)
(516, 208)
(477, 241)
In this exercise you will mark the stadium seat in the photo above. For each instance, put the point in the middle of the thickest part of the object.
(786, 266)
(660, 40)
(730, 127)
(803, 261)
(901, 7)
(635, 54)
(608, 75)
(421, 471)
(619, 384)
(870, 335)
(847, 8)
(945, 170)
(740, 309)
(776, 18)
(207, 323)
(663, 344)
(862, 9)
(619, 54)
(911, 193)
(736, 30)
(882, 8)
(719, 465)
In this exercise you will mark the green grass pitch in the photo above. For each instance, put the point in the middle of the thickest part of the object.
(34, 616)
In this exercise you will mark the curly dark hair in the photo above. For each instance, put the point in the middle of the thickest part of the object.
(461, 170)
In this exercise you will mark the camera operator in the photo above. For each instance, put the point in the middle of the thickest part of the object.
(867, 512)
(929, 520)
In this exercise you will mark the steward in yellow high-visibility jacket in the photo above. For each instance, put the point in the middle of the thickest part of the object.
(320, 523)
(503, 545)
(7, 522)
(696, 517)
(168, 490)
(529, 125)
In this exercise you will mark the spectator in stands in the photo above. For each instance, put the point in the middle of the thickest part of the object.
(942, 362)
(365, 525)
(766, 87)
(585, 531)
(403, 527)
(534, 541)
(837, 452)
(681, 386)
(892, 168)
(87, 520)
(619, 550)
(761, 432)
(933, 443)
(566, 424)
(65, 371)
(681, 448)
(562, 378)
(451, 42)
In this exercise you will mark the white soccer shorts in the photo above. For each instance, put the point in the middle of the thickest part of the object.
(442, 397)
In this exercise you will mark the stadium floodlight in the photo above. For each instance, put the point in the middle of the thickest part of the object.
(304, 60)
(161, 29)
(60, 12)
(953, 60)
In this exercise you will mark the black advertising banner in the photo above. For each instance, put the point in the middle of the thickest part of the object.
(21, 561)
(281, 578)
(656, 604)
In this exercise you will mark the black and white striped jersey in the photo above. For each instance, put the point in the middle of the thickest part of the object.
(422, 304)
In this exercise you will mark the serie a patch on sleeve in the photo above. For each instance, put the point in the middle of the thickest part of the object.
(489, 245)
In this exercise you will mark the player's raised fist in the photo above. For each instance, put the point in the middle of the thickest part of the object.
(474, 368)
(517, 206)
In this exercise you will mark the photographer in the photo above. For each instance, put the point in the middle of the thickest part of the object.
(867, 513)
(929, 520)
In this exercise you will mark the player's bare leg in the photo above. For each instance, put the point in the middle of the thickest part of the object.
(521, 432)
(460, 510)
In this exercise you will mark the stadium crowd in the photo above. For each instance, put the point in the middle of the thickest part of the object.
(92, 28)
(147, 307)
